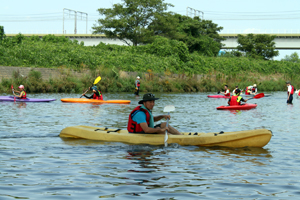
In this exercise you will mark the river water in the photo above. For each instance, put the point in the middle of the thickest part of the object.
(35, 163)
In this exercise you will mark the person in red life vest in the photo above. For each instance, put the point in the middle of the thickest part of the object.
(297, 92)
(236, 99)
(234, 91)
(96, 94)
(141, 119)
(252, 89)
(290, 92)
(137, 86)
(226, 91)
(22, 93)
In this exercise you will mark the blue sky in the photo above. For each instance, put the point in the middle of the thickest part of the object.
(235, 16)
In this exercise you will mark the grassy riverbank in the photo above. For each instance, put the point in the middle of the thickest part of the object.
(150, 82)
(161, 60)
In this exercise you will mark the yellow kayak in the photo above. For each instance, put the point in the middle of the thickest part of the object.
(249, 138)
(84, 100)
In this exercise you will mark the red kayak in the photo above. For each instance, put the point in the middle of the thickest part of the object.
(246, 106)
(218, 96)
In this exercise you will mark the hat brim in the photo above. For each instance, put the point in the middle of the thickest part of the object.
(141, 101)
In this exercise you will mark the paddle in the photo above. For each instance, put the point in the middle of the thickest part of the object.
(12, 88)
(95, 82)
(168, 109)
(258, 96)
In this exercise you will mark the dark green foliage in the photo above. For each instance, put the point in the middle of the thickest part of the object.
(1, 33)
(129, 20)
(258, 46)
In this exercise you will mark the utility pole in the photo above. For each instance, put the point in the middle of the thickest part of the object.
(191, 11)
(75, 14)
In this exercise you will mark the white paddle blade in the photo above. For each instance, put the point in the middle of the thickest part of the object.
(169, 108)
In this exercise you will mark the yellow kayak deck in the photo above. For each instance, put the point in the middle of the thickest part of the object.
(249, 138)
(84, 100)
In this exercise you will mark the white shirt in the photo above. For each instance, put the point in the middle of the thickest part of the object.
(289, 88)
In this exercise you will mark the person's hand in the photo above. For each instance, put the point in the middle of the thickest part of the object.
(163, 130)
(246, 100)
(167, 116)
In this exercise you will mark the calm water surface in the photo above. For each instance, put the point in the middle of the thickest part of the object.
(37, 164)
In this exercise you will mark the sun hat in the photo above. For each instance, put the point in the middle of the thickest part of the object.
(254, 85)
(21, 86)
(138, 77)
(148, 97)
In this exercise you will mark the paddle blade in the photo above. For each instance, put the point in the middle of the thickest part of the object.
(97, 80)
(169, 108)
(258, 96)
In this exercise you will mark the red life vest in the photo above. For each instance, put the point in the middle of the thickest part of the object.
(134, 127)
(23, 96)
(138, 84)
(247, 92)
(253, 89)
(292, 91)
(228, 94)
(299, 93)
(98, 97)
(233, 101)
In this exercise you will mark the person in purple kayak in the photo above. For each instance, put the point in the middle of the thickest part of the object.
(22, 93)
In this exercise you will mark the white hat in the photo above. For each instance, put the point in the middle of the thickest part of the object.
(254, 85)
(138, 77)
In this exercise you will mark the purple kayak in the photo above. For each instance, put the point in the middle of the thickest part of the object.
(11, 98)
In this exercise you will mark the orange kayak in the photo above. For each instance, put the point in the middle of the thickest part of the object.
(84, 100)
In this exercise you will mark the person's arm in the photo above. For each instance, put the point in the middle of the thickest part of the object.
(229, 101)
(159, 117)
(158, 130)
(244, 100)
(88, 97)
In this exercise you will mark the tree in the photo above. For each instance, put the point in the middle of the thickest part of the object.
(199, 35)
(258, 46)
(130, 20)
(294, 57)
(2, 35)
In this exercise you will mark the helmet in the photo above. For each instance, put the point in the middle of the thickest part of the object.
(138, 77)
(94, 88)
(254, 85)
(21, 87)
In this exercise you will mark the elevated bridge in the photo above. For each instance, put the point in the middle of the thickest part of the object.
(288, 41)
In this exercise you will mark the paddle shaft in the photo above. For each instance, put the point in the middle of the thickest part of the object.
(166, 133)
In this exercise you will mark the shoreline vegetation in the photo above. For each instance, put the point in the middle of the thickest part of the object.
(164, 66)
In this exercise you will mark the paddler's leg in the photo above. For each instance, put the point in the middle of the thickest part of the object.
(172, 130)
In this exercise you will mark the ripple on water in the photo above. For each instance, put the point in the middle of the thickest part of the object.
(36, 164)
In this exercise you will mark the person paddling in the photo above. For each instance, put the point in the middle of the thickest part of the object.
(290, 92)
(252, 89)
(141, 119)
(226, 91)
(96, 94)
(137, 86)
(236, 99)
(234, 91)
(22, 93)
